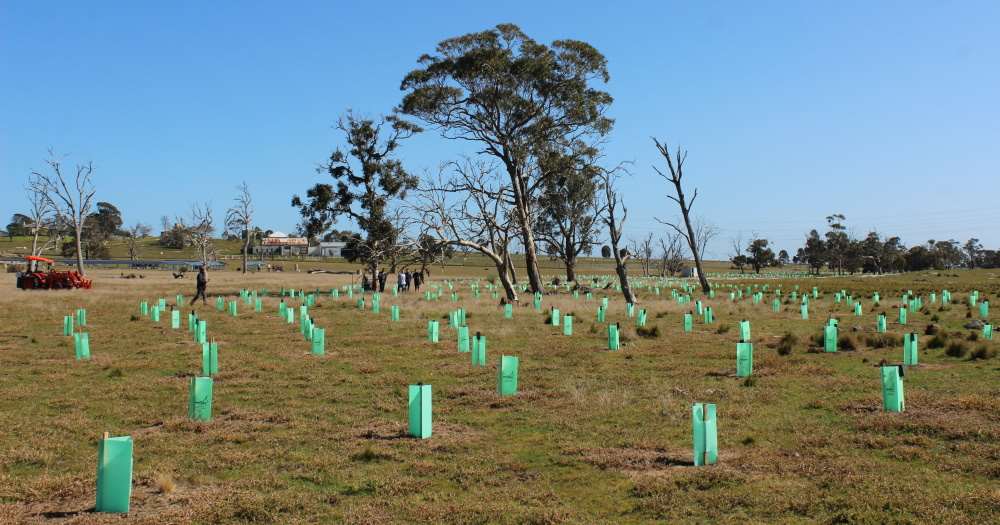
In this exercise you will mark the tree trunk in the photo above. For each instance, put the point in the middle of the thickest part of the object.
(693, 242)
(34, 243)
(246, 252)
(570, 269)
(531, 258)
(510, 268)
(79, 249)
(623, 279)
(508, 287)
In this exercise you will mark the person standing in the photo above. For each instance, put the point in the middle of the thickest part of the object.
(402, 281)
(416, 281)
(201, 282)
(382, 276)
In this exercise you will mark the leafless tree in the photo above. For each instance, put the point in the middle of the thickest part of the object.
(675, 166)
(200, 232)
(134, 235)
(71, 197)
(737, 257)
(239, 219)
(468, 206)
(671, 255)
(644, 251)
(165, 223)
(615, 214)
(42, 216)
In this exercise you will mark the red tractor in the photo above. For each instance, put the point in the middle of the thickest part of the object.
(36, 279)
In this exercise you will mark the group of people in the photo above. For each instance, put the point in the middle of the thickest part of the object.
(404, 280)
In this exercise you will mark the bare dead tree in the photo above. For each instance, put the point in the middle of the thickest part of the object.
(468, 206)
(133, 236)
(239, 219)
(42, 216)
(645, 251)
(671, 255)
(615, 214)
(737, 258)
(675, 165)
(71, 199)
(200, 232)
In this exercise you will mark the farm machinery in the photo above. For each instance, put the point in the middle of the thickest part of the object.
(34, 278)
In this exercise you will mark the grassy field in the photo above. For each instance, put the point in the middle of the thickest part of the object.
(592, 436)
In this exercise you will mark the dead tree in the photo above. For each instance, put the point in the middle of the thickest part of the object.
(70, 199)
(467, 206)
(613, 205)
(239, 219)
(134, 235)
(675, 165)
(200, 232)
(42, 216)
(671, 257)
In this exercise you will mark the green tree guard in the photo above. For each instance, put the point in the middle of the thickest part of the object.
(613, 340)
(567, 325)
(815, 293)
(81, 316)
(804, 311)
(200, 399)
(830, 338)
(630, 310)
(202, 331)
(705, 434)
(232, 308)
(479, 350)
(892, 388)
(508, 311)
(258, 305)
(507, 375)
(698, 307)
(709, 315)
(554, 316)
(988, 332)
(144, 308)
(420, 411)
(910, 354)
(154, 314)
(305, 328)
(114, 474)
(688, 322)
(432, 330)
(282, 307)
(984, 309)
(209, 359)
(361, 303)
(179, 300)
(220, 304)
(604, 302)
(600, 314)
(81, 345)
(67, 325)
(902, 315)
(857, 309)
(175, 319)
(463, 339)
(744, 359)
(640, 319)
(745, 330)
(836, 297)
(319, 341)
(776, 305)
(394, 313)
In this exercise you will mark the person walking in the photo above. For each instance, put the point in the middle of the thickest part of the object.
(202, 284)
(402, 281)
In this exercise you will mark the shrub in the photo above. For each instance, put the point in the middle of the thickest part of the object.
(878, 341)
(723, 328)
(787, 343)
(935, 318)
(937, 341)
(652, 332)
(956, 349)
(846, 343)
(983, 352)
(930, 329)
(133, 318)
(973, 336)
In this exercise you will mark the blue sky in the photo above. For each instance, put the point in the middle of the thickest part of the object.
(888, 112)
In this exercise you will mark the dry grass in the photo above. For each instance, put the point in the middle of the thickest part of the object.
(592, 436)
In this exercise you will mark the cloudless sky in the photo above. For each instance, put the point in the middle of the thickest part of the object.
(885, 111)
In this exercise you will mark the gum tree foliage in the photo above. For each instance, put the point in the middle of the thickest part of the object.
(518, 101)
(759, 255)
(569, 206)
(368, 177)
